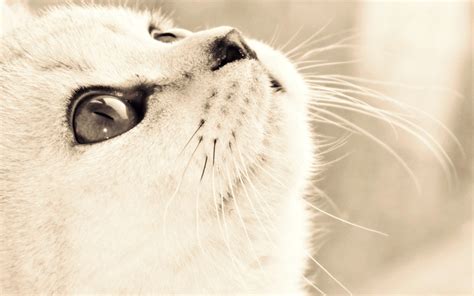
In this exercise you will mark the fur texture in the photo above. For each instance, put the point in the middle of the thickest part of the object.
(132, 214)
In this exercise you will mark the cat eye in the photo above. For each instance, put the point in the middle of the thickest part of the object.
(165, 37)
(99, 117)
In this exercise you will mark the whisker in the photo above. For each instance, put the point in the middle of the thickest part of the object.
(241, 219)
(211, 257)
(274, 36)
(329, 200)
(399, 121)
(332, 146)
(223, 226)
(348, 125)
(256, 164)
(198, 237)
(333, 161)
(198, 220)
(377, 95)
(204, 169)
(250, 201)
(302, 53)
(315, 117)
(312, 258)
(398, 84)
(170, 200)
(214, 152)
(308, 41)
(339, 44)
(345, 221)
(328, 64)
(201, 123)
(282, 48)
(259, 196)
(354, 105)
(313, 285)
(297, 63)
(419, 133)
(328, 273)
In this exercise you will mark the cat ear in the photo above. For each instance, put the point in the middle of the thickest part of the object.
(13, 13)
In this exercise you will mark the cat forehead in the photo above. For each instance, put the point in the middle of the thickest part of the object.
(107, 16)
(72, 25)
(57, 20)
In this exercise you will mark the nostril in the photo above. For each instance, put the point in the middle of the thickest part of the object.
(230, 48)
(233, 53)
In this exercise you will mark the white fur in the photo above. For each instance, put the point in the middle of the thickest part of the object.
(91, 218)
(12, 14)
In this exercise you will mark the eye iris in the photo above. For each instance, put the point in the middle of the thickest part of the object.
(103, 117)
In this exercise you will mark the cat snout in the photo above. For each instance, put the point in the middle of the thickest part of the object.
(230, 48)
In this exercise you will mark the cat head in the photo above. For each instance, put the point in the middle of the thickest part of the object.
(109, 112)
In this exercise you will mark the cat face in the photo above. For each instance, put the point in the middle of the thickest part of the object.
(122, 130)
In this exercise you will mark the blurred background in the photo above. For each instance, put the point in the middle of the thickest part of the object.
(417, 53)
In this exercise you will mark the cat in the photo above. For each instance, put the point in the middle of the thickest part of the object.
(139, 157)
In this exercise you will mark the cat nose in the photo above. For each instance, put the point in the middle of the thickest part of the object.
(230, 48)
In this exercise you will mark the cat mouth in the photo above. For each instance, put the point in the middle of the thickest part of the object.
(276, 85)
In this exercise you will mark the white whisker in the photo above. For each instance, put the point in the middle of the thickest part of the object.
(348, 125)
(357, 89)
(282, 48)
(398, 84)
(170, 200)
(345, 221)
(299, 49)
(239, 215)
(327, 64)
(330, 162)
(337, 45)
(313, 285)
(223, 228)
(308, 40)
(329, 200)
(439, 153)
(250, 200)
(274, 36)
(329, 274)
(333, 145)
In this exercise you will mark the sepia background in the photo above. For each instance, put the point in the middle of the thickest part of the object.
(418, 53)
